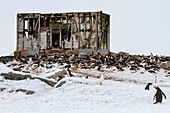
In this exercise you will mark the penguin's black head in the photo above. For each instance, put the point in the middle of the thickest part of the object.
(156, 87)
(149, 83)
(68, 66)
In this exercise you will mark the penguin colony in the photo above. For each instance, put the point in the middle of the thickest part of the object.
(121, 60)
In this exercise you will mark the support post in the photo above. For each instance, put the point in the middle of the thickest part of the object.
(50, 36)
(71, 35)
(61, 39)
(39, 33)
(17, 32)
(23, 36)
(78, 31)
(84, 27)
(96, 32)
(155, 79)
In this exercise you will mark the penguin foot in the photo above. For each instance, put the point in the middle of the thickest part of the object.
(155, 103)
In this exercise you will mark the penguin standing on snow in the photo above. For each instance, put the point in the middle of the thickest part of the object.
(148, 86)
(158, 95)
(101, 79)
(99, 67)
(68, 71)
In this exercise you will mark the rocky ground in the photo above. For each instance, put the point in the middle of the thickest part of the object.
(36, 64)
(74, 83)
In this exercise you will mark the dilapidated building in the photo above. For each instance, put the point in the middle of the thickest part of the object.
(63, 31)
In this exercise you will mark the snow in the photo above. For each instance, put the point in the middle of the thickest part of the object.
(4, 69)
(118, 95)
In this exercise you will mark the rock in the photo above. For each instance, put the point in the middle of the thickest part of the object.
(58, 74)
(13, 76)
(2, 89)
(165, 66)
(142, 72)
(60, 84)
(151, 71)
(16, 69)
(123, 53)
(120, 68)
(28, 92)
(49, 82)
(26, 71)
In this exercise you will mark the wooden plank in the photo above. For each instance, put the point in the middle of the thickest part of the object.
(39, 33)
(60, 38)
(96, 32)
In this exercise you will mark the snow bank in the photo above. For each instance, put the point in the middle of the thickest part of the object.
(4, 69)
(72, 97)
(80, 95)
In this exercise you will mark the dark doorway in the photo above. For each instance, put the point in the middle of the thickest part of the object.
(56, 40)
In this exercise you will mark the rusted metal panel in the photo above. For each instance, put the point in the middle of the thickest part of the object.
(80, 51)
(41, 53)
(31, 52)
(53, 52)
(58, 51)
(87, 51)
(103, 52)
(23, 53)
(76, 51)
(16, 54)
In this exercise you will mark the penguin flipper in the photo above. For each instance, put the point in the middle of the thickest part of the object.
(154, 97)
(164, 95)
(147, 87)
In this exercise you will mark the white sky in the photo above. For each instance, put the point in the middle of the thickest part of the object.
(137, 26)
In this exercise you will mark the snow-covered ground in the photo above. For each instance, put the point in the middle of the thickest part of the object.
(123, 93)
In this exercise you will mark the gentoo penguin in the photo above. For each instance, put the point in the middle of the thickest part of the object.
(99, 68)
(158, 95)
(36, 55)
(30, 61)
(101, 79)
(148, 86)
(26, 67)
(68, 71)
(87, 77)
(168, 74)
(44, 65)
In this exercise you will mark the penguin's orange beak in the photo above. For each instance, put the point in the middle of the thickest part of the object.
(154, 87)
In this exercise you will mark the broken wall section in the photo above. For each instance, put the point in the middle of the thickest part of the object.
(63, 31)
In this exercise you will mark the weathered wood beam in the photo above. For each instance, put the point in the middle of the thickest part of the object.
(71, 34)
(96, 32)
(39, 35)
(17, 32)
(60, 38)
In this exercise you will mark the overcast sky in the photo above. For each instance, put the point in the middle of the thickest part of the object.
(137, 26)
